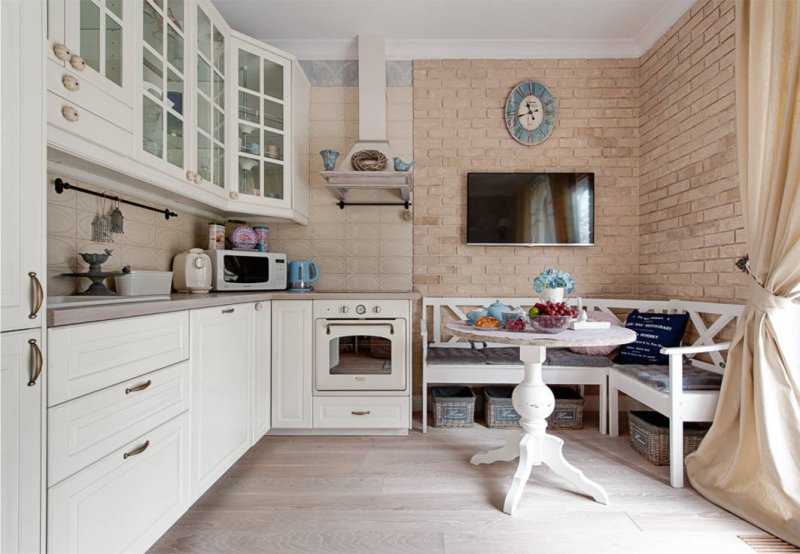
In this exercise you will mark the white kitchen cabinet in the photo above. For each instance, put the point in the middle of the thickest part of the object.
(22, 205)
(221, 362)
(21, 464)
(125, 501)
(301, 163)
(261, 395)
(90, 69)
(292, 347)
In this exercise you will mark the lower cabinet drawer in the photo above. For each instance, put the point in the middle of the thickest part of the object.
(127, 500)
(85, 429)
(361, 412)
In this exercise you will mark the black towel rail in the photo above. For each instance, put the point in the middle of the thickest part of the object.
(61, 186)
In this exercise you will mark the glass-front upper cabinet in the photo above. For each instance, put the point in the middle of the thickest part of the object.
(210, 98)
(163, 81)
(262, 124)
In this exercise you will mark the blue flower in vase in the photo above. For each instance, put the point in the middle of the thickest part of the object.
(329, 159)
(400, 165)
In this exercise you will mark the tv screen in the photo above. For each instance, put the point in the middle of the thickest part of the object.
(530, 209)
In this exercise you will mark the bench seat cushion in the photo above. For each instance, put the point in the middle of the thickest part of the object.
(657, 376)
(438, 355)
(509, 356)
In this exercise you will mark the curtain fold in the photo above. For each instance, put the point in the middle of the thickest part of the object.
(749, 462)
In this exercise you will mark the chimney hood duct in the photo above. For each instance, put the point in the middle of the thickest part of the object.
(371, 128)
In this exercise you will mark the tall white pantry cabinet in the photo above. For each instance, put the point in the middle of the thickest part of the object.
(23, 275)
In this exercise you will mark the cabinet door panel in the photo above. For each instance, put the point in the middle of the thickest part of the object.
(262, 363)
(221, 361)
(291, 364)
(21, 478)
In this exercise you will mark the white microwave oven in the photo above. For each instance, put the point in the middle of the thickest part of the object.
(237, 270)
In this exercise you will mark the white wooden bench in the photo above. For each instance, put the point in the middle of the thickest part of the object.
(708, 320)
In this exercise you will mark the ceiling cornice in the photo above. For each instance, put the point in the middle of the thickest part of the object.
(660, 24)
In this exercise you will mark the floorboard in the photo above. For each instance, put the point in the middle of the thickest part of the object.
(420, 494)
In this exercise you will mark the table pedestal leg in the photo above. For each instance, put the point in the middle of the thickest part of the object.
(534, 401)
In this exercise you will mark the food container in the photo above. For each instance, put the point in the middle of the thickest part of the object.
(144, 283)
(262, 236)
(216, 236)
(550, 324)
(244, 238)
(514, 321)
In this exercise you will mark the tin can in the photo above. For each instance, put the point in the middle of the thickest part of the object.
(216, 236)
(262, 235)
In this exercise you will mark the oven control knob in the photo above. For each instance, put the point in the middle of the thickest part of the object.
(376, 309)
(361, 309)
(344, 309)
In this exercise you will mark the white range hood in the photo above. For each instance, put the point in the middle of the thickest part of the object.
(371, 128)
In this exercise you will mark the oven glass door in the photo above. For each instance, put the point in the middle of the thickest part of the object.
(366, 355)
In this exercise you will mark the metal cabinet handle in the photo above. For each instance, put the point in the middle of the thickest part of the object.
(61, 51)
(77, 62)
(70, 114)
(138, 388)
(360, 412)
(39, 362)
(136, 451)
(39, 290)
(228, 311)
(70, 82)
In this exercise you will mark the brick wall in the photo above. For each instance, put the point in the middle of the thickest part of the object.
(459, 128)
(690, 227)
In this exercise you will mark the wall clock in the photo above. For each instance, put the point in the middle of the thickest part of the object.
(530, 113)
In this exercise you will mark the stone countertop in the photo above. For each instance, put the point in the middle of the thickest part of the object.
(73, 315)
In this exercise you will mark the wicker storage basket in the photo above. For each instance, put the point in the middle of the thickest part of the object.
(453, 406)
(500, 413)
(650, 436)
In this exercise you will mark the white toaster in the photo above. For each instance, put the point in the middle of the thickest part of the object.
(191, 271)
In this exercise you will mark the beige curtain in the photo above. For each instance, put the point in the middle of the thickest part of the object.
(750, 461)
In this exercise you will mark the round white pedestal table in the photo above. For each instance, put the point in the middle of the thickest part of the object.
(534, 401)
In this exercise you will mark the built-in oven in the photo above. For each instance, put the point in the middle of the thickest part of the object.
(360, 347)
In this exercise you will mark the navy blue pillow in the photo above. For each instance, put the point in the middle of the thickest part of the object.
(653, 332)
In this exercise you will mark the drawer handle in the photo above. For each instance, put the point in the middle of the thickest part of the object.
(70, 83)
(77, 62)
(70, 114)
(191, 176)
(39, 362)
(136, 451)
(37, 287)
(61, 51)
(360, 412)
(228, 311)
(138, 388)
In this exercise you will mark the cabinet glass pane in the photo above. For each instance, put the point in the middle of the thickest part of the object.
(249, 176)
(219, 90)
(204, 77)
(115, 7)
(175, 13)
(175, 49)
(203, 114)
(203, 34)
(153, 75)
(249, 139)
(249, 70)
(153, 32)
(273, 146)
(219, 165)
(175, 92)
(273, 180)
(219, 51)
(113, 51)
(248, 107)
(90, 34)
(273, 79)
(174, 140)
(273, 115)
(219, 126)
(204, 157)
(152, 127)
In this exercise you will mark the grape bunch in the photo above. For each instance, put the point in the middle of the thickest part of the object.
(515, 324)
(553, 308)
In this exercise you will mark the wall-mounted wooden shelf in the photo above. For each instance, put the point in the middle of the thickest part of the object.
(339, 182)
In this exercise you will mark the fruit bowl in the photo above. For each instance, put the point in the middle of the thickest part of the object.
(550, 324)
(514, 321)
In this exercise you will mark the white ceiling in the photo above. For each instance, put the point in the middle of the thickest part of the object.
(418, 29)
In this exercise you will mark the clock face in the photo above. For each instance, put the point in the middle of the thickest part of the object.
(530, 113)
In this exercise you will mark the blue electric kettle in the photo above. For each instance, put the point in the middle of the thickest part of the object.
(301, 275)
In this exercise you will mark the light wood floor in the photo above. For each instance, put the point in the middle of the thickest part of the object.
(420, 494)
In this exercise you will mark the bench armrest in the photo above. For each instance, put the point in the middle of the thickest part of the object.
(696, 349)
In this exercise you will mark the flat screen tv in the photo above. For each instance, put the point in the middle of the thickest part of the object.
(530, 209)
